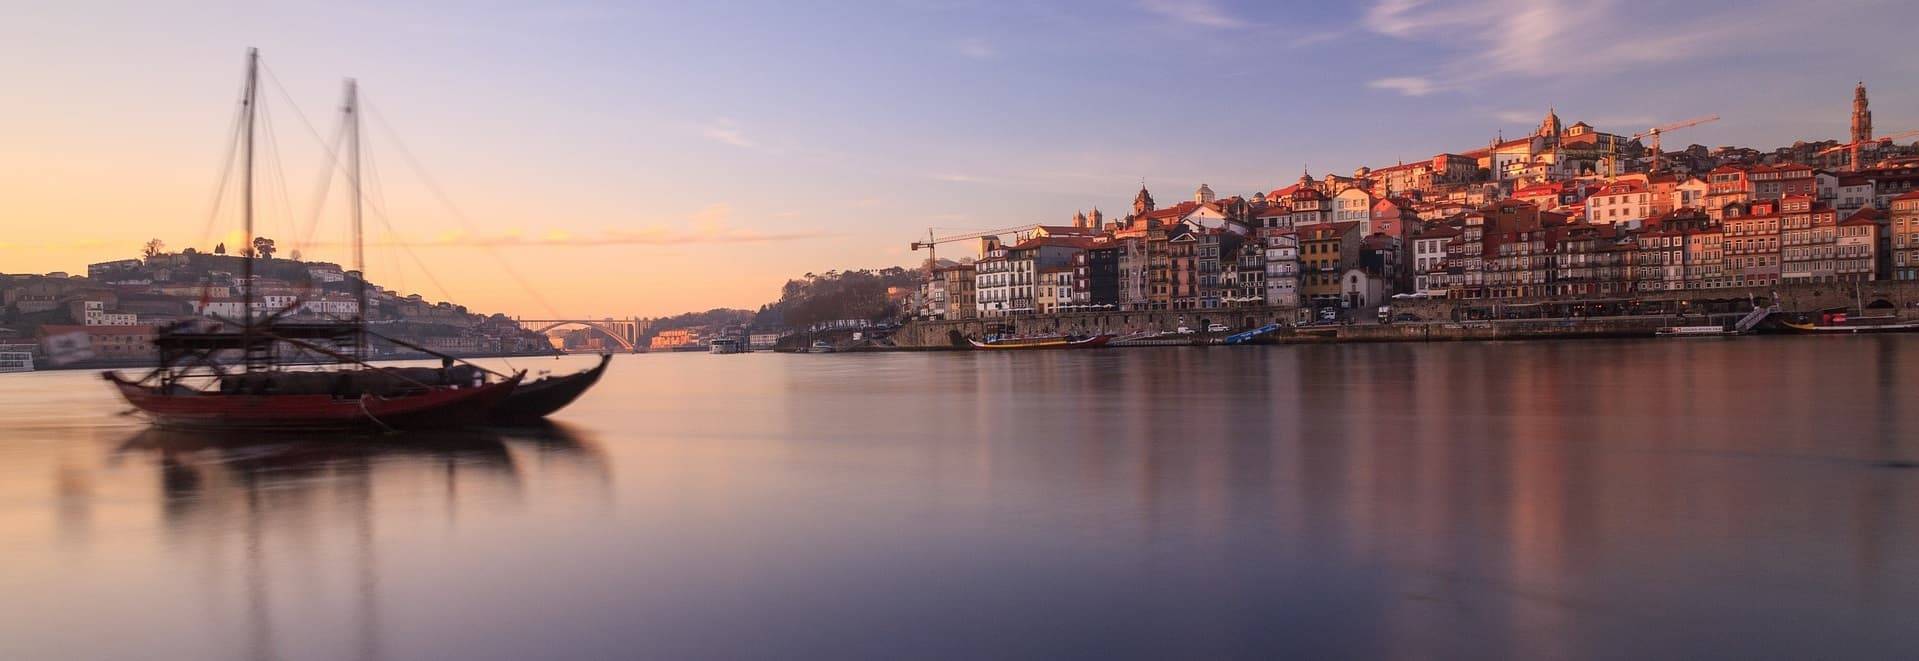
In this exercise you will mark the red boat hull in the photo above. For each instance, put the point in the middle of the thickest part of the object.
(438, 407)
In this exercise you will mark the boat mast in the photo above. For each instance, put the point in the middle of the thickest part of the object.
(352, 111)
(248, 108)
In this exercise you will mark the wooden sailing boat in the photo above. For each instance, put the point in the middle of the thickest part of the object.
(192, 388)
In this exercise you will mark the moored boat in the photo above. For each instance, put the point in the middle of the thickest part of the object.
(1041, 342)
(1695, 331)
(215, 373)
(1837, 321)
(533, 401)
(407, 404)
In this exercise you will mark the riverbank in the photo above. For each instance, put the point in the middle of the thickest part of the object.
(944, 335)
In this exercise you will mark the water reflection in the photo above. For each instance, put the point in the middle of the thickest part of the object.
(290, 495)
(1475, 500)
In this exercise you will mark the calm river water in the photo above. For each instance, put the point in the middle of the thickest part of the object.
(1605, 499)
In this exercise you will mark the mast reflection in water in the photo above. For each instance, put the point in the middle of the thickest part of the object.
(1603, 499)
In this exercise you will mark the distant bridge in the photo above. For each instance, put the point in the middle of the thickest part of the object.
(625, 332)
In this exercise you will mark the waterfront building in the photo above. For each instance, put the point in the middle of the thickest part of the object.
(993, 279)
(128, 342)
(1022, 265)
(1054, 289)
(1325, 252)
(1243, 274)
(1429, 259)
(1282, 268)
(1516, 260)
(1808, 241)
(1752, 243)
(1727, 185)
(1626, 202)
(930, 301)
(1182, 253)
(1660, 262)
(1905, 236)
(1857, 248)
(1362, 288)
(962, 301)
(1132, 273)
(668, 339)
(1159, 267)
(1097, 276)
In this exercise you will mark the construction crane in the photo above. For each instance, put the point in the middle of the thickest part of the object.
(931, 244)
(1657, 150)
(1852, 148)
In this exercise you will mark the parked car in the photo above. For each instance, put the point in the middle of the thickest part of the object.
(1217, 328)
(1405, 316)
(1185, 331)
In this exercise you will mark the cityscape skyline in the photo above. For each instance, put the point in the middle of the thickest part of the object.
(853, 132)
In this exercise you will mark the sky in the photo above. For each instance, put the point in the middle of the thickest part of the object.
(604, 159)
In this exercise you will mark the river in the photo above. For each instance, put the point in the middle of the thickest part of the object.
(1583, 499)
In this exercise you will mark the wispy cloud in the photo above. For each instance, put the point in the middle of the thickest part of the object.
(1518, 116)
(709, 225)
(956, 178)
(1203, 13)
(1496, 39)
(726, 131)
(1407, 85)
(975, 48)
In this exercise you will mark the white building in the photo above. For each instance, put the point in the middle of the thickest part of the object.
(1689, 193)
(993, 279)
(1429, 261)
(94, 313)
(1620, 202)
(1355, 205)
(333, 307)
(1282, 269)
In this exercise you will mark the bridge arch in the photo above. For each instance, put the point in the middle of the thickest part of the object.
(624, 333)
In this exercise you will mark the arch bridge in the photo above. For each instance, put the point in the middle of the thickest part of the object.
(624, 332)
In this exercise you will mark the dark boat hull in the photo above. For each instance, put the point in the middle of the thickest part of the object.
(532, 402)
(434, 408)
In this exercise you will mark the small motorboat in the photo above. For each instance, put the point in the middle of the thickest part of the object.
(1695, 331)
(821, 346)
(533, 401)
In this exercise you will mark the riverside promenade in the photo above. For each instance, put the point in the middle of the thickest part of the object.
(1445, 319)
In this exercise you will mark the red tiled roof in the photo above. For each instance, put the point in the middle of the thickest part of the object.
(1867, 215)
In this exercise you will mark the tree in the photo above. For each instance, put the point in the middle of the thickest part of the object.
(154, 248)
(295, 255)
(263, 247)
(220, 249)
